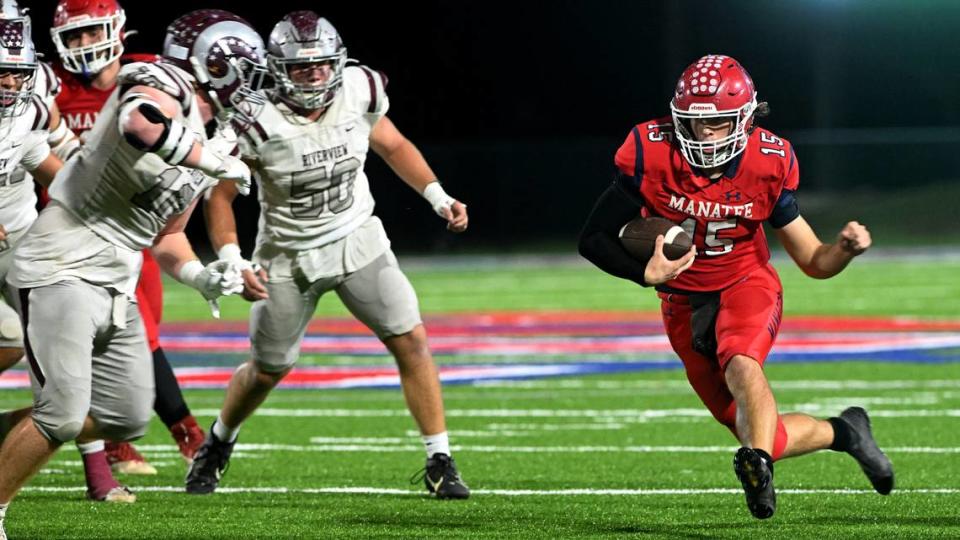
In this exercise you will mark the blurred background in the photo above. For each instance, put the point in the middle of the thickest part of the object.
(520, 106)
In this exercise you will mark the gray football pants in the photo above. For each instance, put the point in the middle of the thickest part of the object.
(379, 295)
(88, 354)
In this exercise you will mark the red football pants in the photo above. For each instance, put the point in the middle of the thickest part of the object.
(150, 298)
(747, 323)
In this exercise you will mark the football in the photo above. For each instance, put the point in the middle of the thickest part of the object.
(639, 237)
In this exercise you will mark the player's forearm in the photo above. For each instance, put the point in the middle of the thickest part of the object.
(599, 241)
(409, 164)
(221, 222)
(827, 261)
(172, 251)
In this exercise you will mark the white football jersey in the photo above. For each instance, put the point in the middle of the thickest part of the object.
(47, 85)
(123, 196)
(24, 141)
(313, 190)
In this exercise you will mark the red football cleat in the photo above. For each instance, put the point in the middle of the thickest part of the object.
(124, 459)
(189, 436)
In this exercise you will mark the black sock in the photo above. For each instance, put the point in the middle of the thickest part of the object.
(169, 404)
(766, 457)
(842, 436)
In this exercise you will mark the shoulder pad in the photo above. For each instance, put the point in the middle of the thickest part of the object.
(41, 114)
(253, 131)
(48, 84)
(376, 83)
(164, 77)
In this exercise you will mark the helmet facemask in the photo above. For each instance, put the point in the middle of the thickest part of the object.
(18, 67)
(709, 154)
(306, 58)
(306, 94)
(233, 84)
(88, 60)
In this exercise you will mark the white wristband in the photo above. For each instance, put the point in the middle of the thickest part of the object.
(189, 271)
(437, 197)
(230, 252)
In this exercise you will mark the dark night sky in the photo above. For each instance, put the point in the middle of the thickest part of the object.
(586, 68)
(516, 103)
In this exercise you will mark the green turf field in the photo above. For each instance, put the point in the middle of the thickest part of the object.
(604, 456)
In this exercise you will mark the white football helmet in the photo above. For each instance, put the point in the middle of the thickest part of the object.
(225, 54)
(18, 66)
(299, 40)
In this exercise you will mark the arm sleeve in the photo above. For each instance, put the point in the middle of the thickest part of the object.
(787, 207)
(37, 150)
(600, 238)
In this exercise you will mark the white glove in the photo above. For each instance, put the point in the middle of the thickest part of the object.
(219, 278)
(231, 254)
(438, 198)
(235, 170)
(225, 168)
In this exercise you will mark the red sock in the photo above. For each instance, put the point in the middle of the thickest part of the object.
(100, 479)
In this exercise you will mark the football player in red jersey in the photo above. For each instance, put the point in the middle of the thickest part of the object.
(711, 169)
(89, 38)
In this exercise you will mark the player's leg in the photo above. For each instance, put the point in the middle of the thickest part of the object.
(11, 337)
(706, 376)
(11, 328)
(58, 344)
(277, 325)
(747, 325)
(123, 388)
(381, 297)
(170, 405)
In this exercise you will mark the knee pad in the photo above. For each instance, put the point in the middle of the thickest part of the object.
(60, 432)
(123, 429)
(273, 366)
(274, 362)
(126, 425)
(11, 330)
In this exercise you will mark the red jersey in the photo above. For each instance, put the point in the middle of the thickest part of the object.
(724, 216)
(80, 103)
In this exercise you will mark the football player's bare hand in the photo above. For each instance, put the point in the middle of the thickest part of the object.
(854, 238)
(660, 269)
(253, 285)
(3, 233)
(456, 217)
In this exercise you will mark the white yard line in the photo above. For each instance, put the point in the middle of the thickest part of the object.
(502, 492)
(412, 446)
(564, 413)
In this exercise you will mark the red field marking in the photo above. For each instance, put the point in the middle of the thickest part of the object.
(598, 323)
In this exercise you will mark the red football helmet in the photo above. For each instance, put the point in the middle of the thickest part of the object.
(72, 15)
(715, 87)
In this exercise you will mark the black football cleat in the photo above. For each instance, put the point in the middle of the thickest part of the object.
(442, 479)
(209, 465)
(757, 479)
(864, 449)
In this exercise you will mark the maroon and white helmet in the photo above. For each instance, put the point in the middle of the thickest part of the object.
(713, 87)
(75, 15)
(224, 53)
(10, 9)
(18, 66)
(299, 39)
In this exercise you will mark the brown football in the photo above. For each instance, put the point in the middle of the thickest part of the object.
(639, 237)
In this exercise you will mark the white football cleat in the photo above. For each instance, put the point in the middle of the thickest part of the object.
(119, 494)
